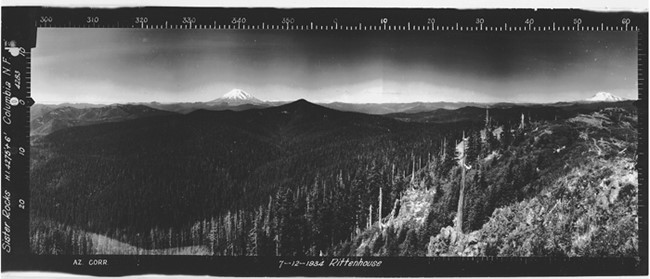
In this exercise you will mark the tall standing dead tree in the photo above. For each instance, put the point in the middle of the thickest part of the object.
(461, 149)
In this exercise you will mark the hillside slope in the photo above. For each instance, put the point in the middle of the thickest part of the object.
(301, 179)
(563, 188)
(51, 119)
(167, 172)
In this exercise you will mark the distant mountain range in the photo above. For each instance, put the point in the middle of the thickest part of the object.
(46, 119)
(502, 114)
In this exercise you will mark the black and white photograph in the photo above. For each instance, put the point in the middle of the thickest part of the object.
(349, 142)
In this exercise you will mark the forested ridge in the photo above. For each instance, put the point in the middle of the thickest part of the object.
(297, 179)
(47, 119)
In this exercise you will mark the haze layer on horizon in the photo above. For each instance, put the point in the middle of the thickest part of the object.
(144, 65)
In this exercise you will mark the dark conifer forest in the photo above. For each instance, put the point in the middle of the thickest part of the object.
(302, 179)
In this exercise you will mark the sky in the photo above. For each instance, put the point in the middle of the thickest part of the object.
(142, 65)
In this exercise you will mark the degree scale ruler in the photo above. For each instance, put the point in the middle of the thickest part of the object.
(340, 19)
(19, 32)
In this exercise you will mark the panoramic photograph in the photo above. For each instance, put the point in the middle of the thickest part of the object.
(334, 143)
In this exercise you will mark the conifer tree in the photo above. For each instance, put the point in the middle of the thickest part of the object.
(254, 234)
(473, 147)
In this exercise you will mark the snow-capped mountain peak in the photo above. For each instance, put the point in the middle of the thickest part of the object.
(605, 97)
(237, 97)
(237, 94)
